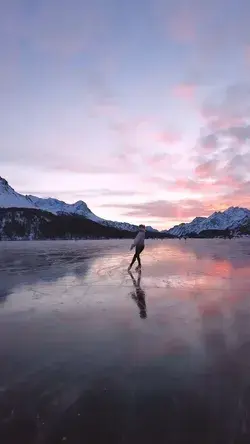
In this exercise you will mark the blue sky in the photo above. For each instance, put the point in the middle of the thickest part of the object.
(111, 102)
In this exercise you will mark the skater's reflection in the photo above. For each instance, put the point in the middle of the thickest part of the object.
(139, 295)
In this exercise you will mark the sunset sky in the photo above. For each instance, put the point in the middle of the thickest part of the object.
(140, 108)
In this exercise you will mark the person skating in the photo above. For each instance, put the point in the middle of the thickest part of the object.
(138, 244)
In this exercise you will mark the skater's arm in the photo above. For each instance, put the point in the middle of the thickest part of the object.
(137, 240)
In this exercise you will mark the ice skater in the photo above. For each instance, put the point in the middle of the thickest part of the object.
(138, 244)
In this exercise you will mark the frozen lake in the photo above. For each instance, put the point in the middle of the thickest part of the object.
(90, 354)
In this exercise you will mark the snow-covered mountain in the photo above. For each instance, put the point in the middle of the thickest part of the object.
(56, 206)
(9, 198)
(231, 219)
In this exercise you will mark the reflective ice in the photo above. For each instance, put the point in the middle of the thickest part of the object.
(92, 354)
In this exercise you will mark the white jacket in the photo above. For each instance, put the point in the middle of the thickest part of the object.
(139, 240)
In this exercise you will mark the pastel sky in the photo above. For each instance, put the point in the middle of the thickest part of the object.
(141, 108)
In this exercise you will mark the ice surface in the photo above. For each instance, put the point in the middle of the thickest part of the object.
(159, 358)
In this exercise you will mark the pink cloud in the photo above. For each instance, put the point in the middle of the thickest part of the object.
(186, 184)
(232, 110)
(223, 122)
(185, 210)
(239, 197)
(168, 137)
(184, 91)
(180, 210)
(84, 193)
(206, 169)
(205, 187)
(158, 158)
(163, 183)
(227, 181)
(208, 144)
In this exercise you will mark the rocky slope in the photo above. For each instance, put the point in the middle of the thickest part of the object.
(31, 224)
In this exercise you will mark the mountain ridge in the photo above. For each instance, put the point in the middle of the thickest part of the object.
(231, 219)
(234, 219)
(9, 198)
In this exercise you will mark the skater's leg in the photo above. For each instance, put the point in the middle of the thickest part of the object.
(139, 251)
(138, 260)
(133, 261)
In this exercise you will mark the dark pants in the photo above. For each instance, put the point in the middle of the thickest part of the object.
(138, 251)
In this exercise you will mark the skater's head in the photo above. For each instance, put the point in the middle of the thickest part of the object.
(142, 228)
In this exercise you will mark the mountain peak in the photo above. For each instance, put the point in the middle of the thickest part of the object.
(80, 202)
(3, 181)
(234, 209)
(10, 199)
